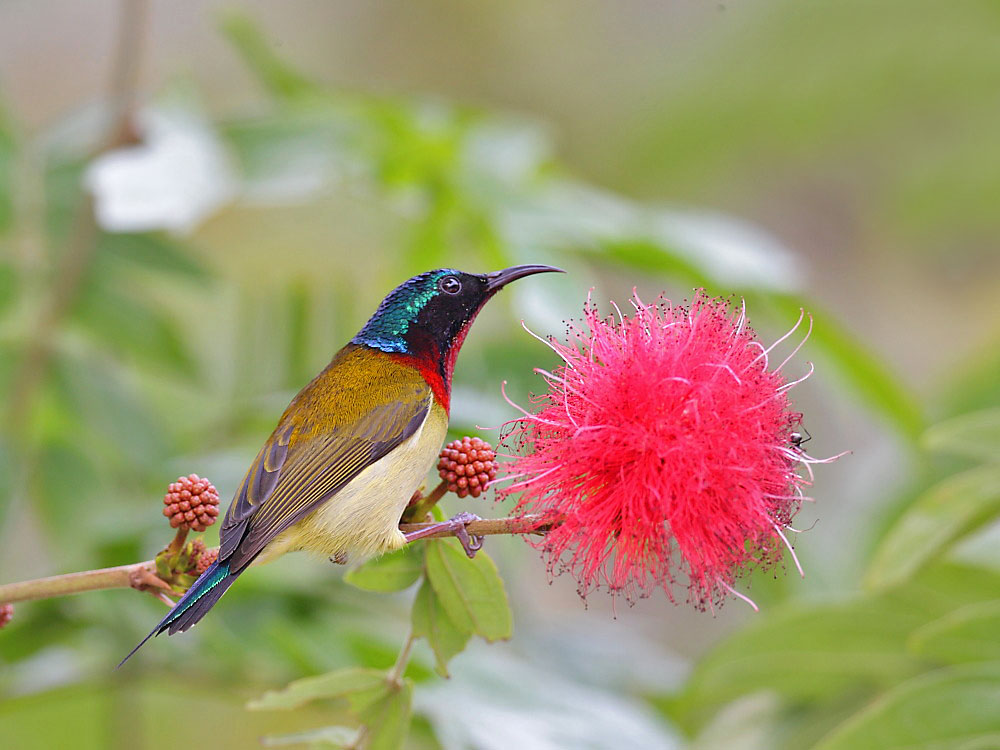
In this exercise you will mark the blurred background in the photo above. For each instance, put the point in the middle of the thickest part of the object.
(201, 202)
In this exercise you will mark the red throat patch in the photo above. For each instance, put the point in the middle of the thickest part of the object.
(435, 368)
(427, 365)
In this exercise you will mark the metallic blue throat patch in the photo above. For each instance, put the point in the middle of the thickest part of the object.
(386, 330)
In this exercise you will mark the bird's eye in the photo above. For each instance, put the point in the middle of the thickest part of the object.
(450, 285)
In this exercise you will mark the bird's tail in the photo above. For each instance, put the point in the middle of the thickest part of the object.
(194, 605)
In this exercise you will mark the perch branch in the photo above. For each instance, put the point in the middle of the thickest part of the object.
(141, 575)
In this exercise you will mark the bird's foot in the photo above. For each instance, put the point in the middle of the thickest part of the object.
(339, 559)
(471, 543)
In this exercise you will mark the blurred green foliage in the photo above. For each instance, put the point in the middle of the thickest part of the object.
(175, 353)
(921, 639)
(849, 84)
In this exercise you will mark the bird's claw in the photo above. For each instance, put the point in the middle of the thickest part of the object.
(456, 525)
(470, 543)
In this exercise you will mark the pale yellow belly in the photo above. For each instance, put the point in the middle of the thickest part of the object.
(363, 518)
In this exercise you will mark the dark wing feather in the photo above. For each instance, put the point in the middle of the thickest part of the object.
(294, 475)
(256, 487)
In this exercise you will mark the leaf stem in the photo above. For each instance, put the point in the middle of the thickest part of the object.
(419, 509)
(395, 680)
(177, 542)
(360, 740)
(396, 673)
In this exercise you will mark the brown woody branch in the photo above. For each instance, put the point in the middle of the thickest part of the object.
(142, 575)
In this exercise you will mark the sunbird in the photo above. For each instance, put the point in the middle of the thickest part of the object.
(354, 444)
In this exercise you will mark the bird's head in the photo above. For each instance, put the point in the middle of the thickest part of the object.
(428, 316)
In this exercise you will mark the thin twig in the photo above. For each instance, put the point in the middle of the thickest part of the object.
(126, 576)
(124, 87)
(76, 259)
(74, 583)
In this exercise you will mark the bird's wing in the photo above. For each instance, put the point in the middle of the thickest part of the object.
(300, 468)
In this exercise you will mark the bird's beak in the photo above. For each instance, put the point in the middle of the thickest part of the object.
(499, 279)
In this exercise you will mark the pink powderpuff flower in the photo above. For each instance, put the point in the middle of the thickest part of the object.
(664, 447)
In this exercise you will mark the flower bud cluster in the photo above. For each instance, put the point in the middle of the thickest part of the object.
(191, 503)
(468, 466)
(205, 559)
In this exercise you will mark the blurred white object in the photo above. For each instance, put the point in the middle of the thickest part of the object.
(497, 701)
(512, 152)
(620, 654)
(179, 175)
(729, 250)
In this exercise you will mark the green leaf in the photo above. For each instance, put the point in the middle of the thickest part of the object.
(7, 156)
(971, 633)
(431, 621)
(392, 572)
(134, 329)
(66, 481)
(973, 383)
(63, 195)
(975, 435)
(803, 655)
(931, 525)
(8, 285)
(860, 369)
(6, 478)
(362, 700)
(339, 684)
(950, 708)
(110, 407)
(649, 257)
(336, 737)
(946, 585)
(388, 718)
(471, 591)
(277, 77)
(152, 250)
(298, 360)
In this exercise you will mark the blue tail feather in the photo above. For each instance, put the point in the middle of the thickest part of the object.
(191, 607)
